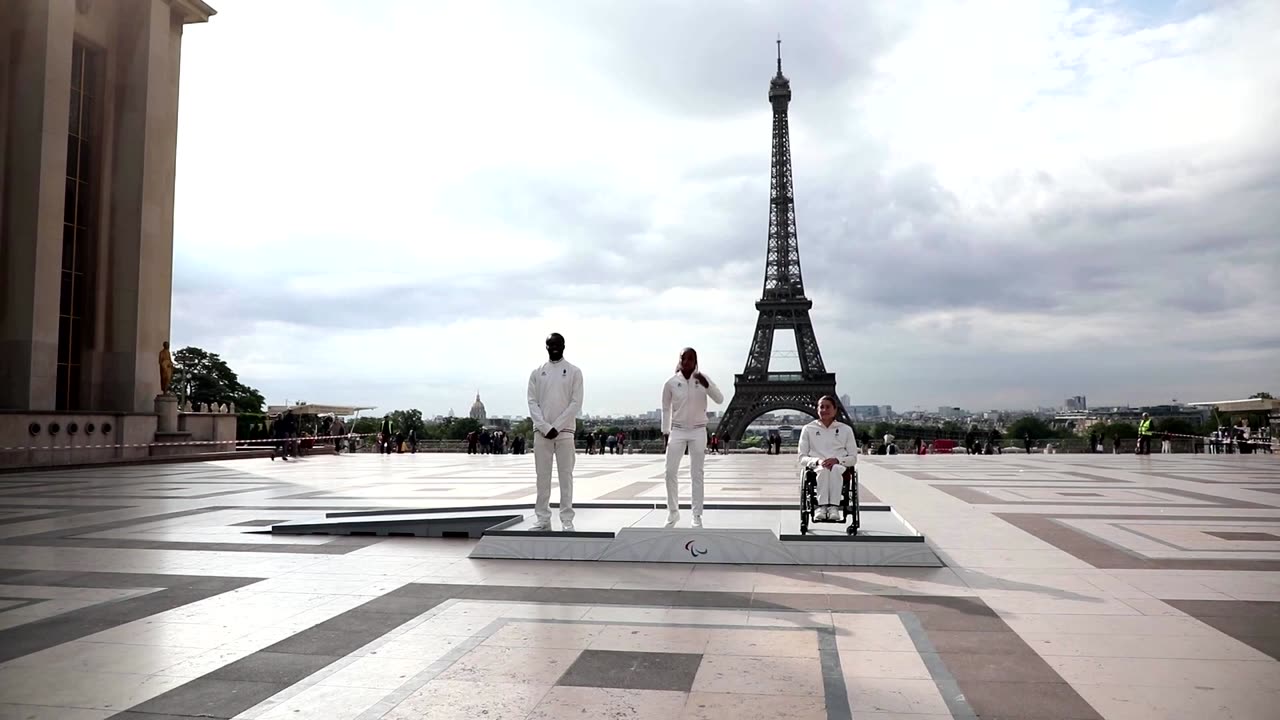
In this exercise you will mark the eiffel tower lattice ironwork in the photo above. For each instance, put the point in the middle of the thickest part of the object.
(783, 305)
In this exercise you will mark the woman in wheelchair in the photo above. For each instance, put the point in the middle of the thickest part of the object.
(829, 448)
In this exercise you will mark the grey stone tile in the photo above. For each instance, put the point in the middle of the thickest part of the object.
(273, 667)
(1229, 608)
(429, 590)
(132, 715)
(322, 642)
(399, 605)
(362, 621)
(1029, 700)
(209, 698)
(633, 670)
(979, 643)
(42, 634)
(711, 599)
(843, 602)
(989, 667)
(497, 592)
(956, 620)
(790, 601)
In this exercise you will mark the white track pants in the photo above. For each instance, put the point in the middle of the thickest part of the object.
(830, 484)
(543, 449)
(695, 441)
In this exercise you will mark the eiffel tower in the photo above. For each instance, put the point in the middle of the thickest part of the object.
(782, 306)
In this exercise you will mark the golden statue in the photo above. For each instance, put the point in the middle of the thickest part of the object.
(166, 369)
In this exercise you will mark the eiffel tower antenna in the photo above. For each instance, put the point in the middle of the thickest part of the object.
(782, 304)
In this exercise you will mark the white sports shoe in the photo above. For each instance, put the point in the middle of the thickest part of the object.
(820, 513)
(541, 526)
(567, 527)
(672, 519)
(697, 521)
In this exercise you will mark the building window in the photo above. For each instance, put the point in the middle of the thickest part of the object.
(78, 222)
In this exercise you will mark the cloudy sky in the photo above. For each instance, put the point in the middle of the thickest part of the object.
(1000, 203)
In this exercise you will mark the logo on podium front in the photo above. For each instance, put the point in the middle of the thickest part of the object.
(694, 550)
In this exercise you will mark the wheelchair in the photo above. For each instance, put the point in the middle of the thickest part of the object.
(849, 509)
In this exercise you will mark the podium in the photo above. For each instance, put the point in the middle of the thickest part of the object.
(734, 534)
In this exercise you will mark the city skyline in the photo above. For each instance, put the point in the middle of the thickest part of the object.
(998, 207)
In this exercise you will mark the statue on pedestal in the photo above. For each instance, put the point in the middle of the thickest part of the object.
(233, 408)
(222, 408)
(186, 406)
(166, 369)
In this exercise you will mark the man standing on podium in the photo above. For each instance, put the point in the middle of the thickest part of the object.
(684, 425)
(555, 398)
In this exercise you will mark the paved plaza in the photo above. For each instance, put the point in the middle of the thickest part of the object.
(1076, 586)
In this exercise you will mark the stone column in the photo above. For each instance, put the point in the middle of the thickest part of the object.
(167, 409)
(35, 162)
(140, 275)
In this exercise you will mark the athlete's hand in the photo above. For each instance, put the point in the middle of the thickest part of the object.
(552, 433)
(701, 379)
(830, 463)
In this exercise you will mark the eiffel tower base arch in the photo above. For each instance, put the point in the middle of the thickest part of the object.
(753, 398)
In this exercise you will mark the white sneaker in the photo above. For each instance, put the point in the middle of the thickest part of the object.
(567, 527)
(820, 514)
(541, 526)
(672, 519)
(697, 521)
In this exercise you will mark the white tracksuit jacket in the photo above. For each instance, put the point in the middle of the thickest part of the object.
(555, 396)
(817, 443)
(684, 402)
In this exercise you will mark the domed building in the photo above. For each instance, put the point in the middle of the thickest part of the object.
(477, 411)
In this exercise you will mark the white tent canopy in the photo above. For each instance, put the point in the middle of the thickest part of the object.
(1246, 405)
(315, 409)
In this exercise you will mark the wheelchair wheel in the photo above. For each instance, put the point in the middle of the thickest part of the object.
(804, 507)
(808, 500)
(854, 508)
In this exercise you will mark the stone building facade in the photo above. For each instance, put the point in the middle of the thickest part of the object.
(88, 123)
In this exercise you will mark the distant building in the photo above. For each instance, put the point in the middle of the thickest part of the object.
(863, 412)
(1076, 403)
(477, 411)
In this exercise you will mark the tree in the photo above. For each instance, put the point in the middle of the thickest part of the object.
(1121, 430)
(1032, 427)
(1177, 426)
(405, 420)
(460, 427)
(200, 376)
(524, 429)
(1262, 396)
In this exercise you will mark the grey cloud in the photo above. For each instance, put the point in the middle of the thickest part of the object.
(903, 246)
(715, 57)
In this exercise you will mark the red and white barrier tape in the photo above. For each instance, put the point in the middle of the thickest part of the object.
(265, 441)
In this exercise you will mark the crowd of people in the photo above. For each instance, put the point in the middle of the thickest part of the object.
(495, 442)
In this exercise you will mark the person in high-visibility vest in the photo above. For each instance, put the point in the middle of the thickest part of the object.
(1144, 435)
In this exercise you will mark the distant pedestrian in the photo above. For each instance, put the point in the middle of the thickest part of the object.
(1144, 435)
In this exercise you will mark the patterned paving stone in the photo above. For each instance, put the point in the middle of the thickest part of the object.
(1074, 583)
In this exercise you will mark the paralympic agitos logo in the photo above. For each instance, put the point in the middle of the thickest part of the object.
(694, 550)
